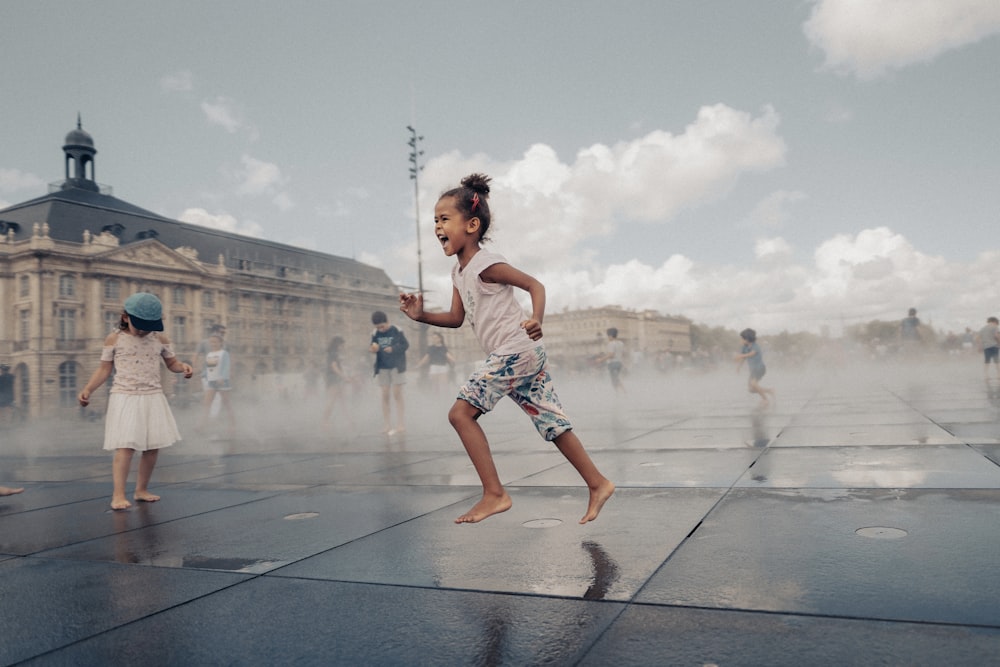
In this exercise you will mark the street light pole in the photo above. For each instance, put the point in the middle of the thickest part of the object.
(415, 169)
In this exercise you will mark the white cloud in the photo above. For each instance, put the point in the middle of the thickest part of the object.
(225, 113)
(772, 211)
(258, 178)
(654, 177)
(870, 37)
(12, 180)
(874, 274)
(222, 221)
(541, 203)
(177, 82)
(283, 201)
(772, 248)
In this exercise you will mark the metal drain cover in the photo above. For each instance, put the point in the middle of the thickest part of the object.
(882, 532)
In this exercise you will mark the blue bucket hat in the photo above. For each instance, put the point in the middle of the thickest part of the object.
(145, 311)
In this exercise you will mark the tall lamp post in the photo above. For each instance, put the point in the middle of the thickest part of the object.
(415, 169)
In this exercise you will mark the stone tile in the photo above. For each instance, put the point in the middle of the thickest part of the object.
(920, 466)
(865, 434)
(537, 547)
(270, 621)
(263, 533)
(652, 635)
(57, 526)
(657, 468)
(50, 604)
(922, 555)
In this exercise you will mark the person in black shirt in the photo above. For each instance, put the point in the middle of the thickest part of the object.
(389, 346)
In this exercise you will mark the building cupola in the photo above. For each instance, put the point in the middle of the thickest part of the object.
(80, 152)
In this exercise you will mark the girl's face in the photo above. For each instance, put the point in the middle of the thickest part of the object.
(456, 233)
(135, 332)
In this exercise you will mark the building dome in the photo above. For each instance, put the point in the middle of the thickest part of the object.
(79, 137)
(80, 152)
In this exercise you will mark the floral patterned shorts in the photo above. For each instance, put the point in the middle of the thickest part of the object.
(525, 378)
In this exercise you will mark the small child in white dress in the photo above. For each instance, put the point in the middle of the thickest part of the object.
(138, 416)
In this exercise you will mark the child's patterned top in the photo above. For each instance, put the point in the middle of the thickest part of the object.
(137, 362)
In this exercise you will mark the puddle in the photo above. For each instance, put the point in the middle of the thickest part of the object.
(230, 564)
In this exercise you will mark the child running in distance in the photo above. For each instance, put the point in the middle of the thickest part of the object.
(138, 417)
(483, 291)
(755, 360)
(217, 374)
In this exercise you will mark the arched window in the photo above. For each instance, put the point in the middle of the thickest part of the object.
(67, 384)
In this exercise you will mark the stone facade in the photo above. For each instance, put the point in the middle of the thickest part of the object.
(60, 299)
(574, 338)
(69, 259)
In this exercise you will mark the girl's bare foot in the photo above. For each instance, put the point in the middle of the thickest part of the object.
(146, 497)
(7, 491)
(120, 503)
(486, 507)
(598, 497)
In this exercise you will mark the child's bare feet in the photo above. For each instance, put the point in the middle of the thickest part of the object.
(8, 491)
(488, 506)
(120, 503)
(598, 497)
(146, 497)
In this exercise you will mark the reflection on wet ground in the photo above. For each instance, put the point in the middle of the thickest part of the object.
(858, 520)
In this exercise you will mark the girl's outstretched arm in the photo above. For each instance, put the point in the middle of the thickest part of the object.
(413, 306)
(99, 377)
(505, 274)
(173, 364)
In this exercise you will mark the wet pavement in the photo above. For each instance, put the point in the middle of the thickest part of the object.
(857, 521)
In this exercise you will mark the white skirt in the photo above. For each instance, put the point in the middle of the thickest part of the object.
(139, 422)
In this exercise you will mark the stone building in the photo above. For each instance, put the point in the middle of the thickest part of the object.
(69, 259)
(575, 337)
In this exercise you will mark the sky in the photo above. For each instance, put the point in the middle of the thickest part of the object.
(787, 165)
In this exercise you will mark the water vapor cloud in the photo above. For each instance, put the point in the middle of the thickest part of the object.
(869, 38)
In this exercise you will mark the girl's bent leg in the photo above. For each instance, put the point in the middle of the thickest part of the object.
(119, 475)
(600, 486)
(463, 417)
(146, 465)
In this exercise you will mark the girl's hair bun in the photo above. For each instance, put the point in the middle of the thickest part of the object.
(477, 183)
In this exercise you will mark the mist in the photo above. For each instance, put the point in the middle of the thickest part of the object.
(290, 421)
